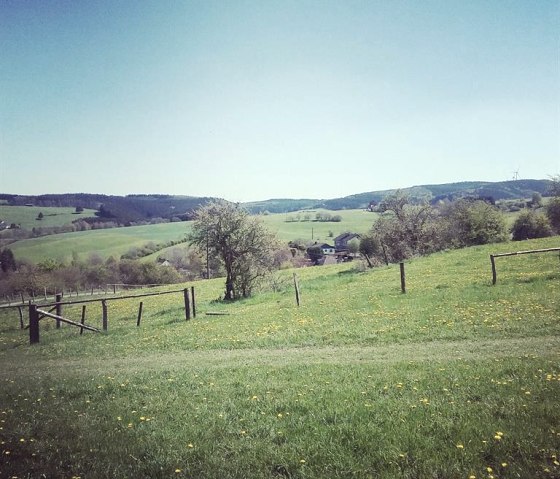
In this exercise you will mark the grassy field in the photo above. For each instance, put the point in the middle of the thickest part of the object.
(455, 379)
(26, 216)
(356, 221)
(117, 241)
(109, 242)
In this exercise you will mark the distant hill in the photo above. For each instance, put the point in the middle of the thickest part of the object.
(135, 208)
(497, 190)
(120, 209)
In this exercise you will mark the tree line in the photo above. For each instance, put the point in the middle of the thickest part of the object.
(406, 229)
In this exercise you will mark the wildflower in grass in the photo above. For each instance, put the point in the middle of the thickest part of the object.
(459, 446)
(189, 445)
(302, 461)
(177, 471)
(489, 469)
(504, 464)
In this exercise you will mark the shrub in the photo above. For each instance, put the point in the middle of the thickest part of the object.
(471, 223)
(529, 225)
(553, 214)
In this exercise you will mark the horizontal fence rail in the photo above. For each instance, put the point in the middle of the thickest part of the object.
(514, 253)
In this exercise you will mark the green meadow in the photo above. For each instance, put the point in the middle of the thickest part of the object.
(454, 379)
(104, 242)
(26, 216)
(117, 241)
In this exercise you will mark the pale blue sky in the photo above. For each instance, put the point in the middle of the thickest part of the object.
(251, 100)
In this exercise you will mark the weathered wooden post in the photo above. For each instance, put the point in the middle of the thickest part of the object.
(139, 313)
(114, 289)
(58, 307)
(45, 291)
(22, 300)
(104, 309)
(296, 286)
(193, 302)
(187, 304)
(403, 279)
(33, 324)
(83, 318)
(493, 262)
(20, 317)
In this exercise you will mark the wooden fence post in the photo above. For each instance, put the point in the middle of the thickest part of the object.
(403, 279)
(139, 314)
(296, 286)
(33, 324)
(20, 317)
(83, 318)
(193, 302)
(58, 308)
(493, 262)
(22, 300)
(187, 304)
(104, 309)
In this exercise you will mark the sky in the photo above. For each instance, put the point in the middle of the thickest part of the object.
(251, 100)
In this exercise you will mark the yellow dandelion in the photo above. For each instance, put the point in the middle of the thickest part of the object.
(190, 445)
(459, 446)
(177, 471)
(302, 461)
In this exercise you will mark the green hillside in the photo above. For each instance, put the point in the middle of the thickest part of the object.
(106, 242)
(117, 241)
(455, 379)
(26, 216)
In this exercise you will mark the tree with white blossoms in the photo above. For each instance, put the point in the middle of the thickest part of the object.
(241, 242)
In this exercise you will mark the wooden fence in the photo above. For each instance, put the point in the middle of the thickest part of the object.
(494, 256)
(36, 314)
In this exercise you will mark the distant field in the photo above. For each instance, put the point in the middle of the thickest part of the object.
(356, 221)
(117, 241)
(110, 242)
(26, 216)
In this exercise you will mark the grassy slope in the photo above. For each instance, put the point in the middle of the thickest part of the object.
(451, 379)
(26, 215)
(116, 241)
(109, 242)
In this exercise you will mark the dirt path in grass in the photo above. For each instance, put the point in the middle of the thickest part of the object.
(436, 351)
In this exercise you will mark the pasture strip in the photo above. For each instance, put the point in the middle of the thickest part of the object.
(436, 351)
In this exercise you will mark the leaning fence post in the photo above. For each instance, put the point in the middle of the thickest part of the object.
(33, 324)
(139, 314)
(494, 278)
(296, 286)
(403, 279)
(58, 308)
(104, 309)
(20, 317)
(193, 302)
(83, 318)
(187, 304)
